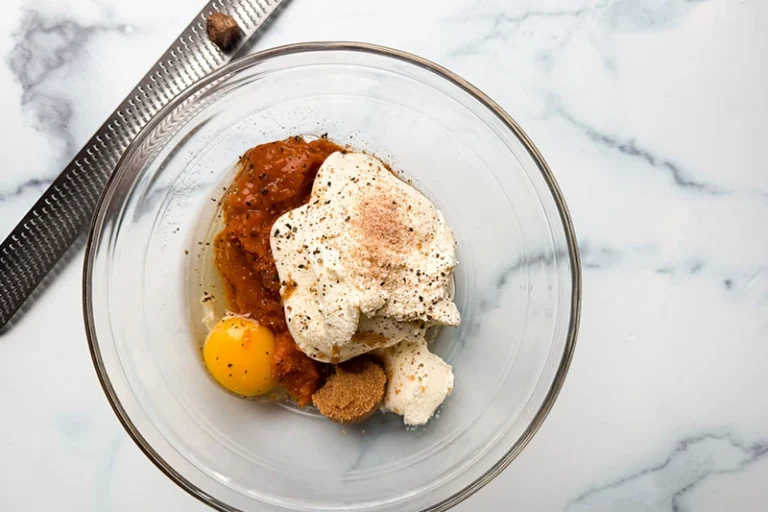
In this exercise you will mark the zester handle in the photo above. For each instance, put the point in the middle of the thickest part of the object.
(65, 209)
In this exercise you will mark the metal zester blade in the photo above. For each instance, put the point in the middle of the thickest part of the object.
(64, 211)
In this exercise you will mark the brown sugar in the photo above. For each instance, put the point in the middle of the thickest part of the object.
(353, 393)
(222, 30)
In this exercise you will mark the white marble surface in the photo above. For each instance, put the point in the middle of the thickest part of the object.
(652, 114)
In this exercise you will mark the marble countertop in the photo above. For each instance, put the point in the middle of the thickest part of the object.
(652, 115)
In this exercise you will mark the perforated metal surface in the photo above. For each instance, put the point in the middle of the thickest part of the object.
(66, 208)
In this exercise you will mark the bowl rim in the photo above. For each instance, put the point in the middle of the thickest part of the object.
(350, 46)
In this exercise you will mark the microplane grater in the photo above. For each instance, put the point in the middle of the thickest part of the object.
(61, 215)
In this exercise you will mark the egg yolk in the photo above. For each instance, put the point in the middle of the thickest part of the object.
(237, 353)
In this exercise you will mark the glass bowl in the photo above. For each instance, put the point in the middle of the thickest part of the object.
(517, 284)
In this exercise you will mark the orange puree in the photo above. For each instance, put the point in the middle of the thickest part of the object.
(272, 179)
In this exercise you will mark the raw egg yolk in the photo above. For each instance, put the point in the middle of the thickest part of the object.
(237, 353)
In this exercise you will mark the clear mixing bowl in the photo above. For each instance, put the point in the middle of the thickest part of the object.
(517, 285)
